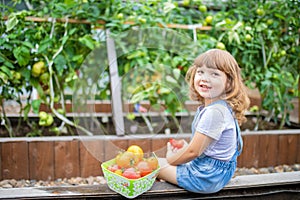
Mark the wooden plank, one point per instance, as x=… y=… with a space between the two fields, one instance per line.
x=262 y=186
x=14 y=160
x=240 y=159
x=259 y=180
x=113 y=147
x=292 y=149
x=298 y=147
x=251 y=151
x=41 y=160
x=159 y=146
x=283 y=149
x=66 y=159
x=91 y=156
x=268 y=150
x=115 y=86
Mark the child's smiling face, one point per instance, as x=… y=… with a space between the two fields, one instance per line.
x=210 y=83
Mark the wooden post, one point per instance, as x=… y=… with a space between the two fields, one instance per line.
x=115 y=86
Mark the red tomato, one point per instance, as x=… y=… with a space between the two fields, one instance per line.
x=113 y=167
x=131 y=173
x=176 y=143
x=144 y=168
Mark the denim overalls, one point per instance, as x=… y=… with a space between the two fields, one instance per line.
x=205 y=174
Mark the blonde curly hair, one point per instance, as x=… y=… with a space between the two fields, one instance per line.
x=236 y=95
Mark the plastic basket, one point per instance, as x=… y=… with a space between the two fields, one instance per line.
x=129 y=188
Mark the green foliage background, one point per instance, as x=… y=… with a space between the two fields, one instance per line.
x=262 y=35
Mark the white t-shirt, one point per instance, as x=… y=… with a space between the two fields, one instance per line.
x=217 y=122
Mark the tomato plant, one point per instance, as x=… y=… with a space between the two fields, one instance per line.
x=59 y=35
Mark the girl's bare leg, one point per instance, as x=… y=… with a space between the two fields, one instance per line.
x=167 y=172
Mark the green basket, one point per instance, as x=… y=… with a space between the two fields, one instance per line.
x=129 y=188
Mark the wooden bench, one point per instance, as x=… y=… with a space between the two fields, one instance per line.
x=265 y=186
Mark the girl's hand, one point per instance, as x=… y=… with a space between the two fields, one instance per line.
x=178 y=144
x=174 y=145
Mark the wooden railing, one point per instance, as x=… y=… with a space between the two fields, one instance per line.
x=49 y=158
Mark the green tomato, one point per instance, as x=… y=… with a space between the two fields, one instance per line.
x=120 y=16
x=17 y=75
x=209 y=19
x=293 y=50
x=186 y=3
x=142 y=20
x=61 y=111
x=248 y=37
x=42 y=122
x=44 y=78
x=254 y=108
x=202 y=8
x=260 y=11
x=130 y=116
x=43 y=115
x=220 y=45
x=38 y=68
x=270 y=22
x=49 y=120
x=282 y=52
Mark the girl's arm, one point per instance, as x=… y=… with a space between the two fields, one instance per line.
x=194 y=149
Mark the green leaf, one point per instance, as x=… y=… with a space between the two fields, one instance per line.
x=79 y=58
x=6 y=71
x=22 y=54
x=11 y=22
x=88 y=41
x=26 y=110
x=176 y=73
x=45 y=44
x=164 y=90
x=3 y=77
x=138 y=97
x=171 y=80
x=280 y=16
x=35 y=104
x=28 y=44
x=60 y=63
x=8 y=64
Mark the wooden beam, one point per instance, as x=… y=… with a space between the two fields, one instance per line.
x=115 y=86
x=266 y=186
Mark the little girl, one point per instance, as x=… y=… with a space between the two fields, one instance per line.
x=208 y=162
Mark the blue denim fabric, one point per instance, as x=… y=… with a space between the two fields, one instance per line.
x=208 y=175
x=205 y=174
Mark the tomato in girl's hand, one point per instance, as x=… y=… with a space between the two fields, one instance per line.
x=178 y=144
x=144 y=168
x=131 y=173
